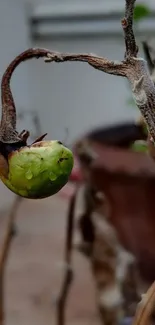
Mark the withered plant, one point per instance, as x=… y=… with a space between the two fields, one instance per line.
x=132 y=67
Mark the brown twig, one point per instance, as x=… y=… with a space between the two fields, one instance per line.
x=150 y=61
x=5 y=252
x=68 y=272
x=145 y=307
x=127 y=22
x=86 y=224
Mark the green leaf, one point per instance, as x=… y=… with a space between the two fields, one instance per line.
x=139 y=146
x=141 y=11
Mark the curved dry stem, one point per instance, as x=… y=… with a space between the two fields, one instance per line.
x=100 y=63
x=145 y=307
x=8 y=133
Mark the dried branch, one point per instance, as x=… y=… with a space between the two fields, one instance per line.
x=140 y=80
x=127 y=22
x=150 y=62
x=111 y=67
x=68 y=272
x=145 y=307
x=9 y=235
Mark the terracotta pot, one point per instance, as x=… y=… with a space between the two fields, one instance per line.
x=128 y=180
x=120 y=135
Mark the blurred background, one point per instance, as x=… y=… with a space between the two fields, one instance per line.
x=68 y=96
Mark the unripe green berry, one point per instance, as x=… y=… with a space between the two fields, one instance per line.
x=38 y=171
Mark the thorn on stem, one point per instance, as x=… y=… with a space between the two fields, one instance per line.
x=124 y=22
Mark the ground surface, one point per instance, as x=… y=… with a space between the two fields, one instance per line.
x=33 y=275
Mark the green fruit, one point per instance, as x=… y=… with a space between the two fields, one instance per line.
x=39 y=170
